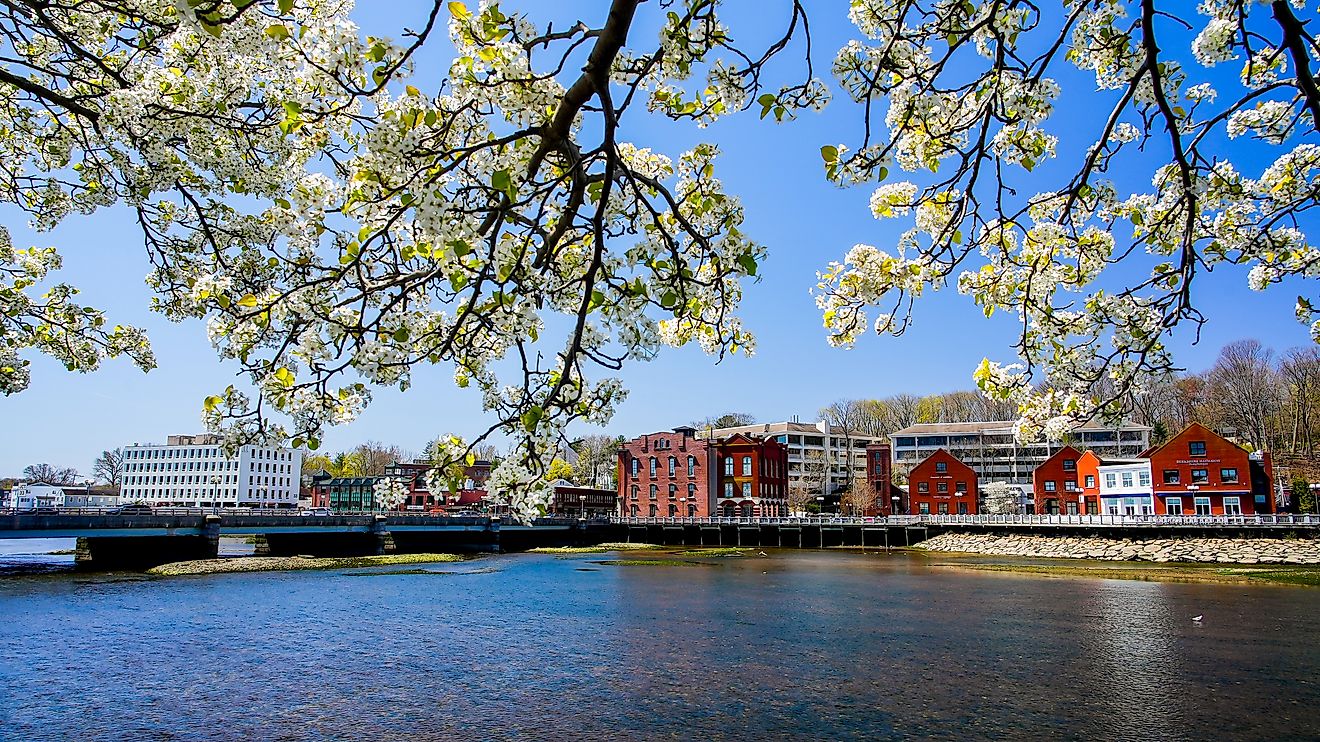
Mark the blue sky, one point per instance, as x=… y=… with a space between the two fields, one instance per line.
x=68 y=419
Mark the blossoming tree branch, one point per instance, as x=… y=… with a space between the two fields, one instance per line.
x=334 y=226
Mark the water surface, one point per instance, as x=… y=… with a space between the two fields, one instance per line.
x=799 y=644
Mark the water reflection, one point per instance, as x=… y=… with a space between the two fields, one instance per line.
x=798 y=644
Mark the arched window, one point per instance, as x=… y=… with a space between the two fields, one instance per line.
x=635 y=466
x=673 y=491
x=653 y=491
x=692 y=466
x=673 y=466
x=653 y=466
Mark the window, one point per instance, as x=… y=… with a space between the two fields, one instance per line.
x=944 y=508
x=1049 y=485
x=1143 y=478
x=673 y=491
x=961 y=487
x=652 y=466
x=1090 y=481
x=1232 y=506
x=1127 y=479
x=1111 y=481
x=1170 y=476
x=924 y=508
x=653 y=491
x=1200 y=476
x=1196 y=448
x=728 y=489
x=942 y=487
x=692 y=492
x=1202 y=505
x=1227 y=476
x=747 y=466
x=1070 y=464
x=728 y=466
x=747 y=489
x=692 y=466
x=962 y=508
x=673 y=466
x=941 y=467
x=1072 y=507
x=923 y=486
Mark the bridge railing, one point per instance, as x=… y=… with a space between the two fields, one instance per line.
x=1106 y=520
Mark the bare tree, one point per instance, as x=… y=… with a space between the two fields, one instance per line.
x=1244 y=390
x=374 y=456
x=727 y=420
x=597 y=461
x=109 y=467
x=858 y=498
x=1300 y=367
x=810 y=482
x=50 y=474
x=845 y=418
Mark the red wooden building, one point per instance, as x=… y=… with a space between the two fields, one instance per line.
x=1199 y=472
x=1056 y=485
x=943 y=485
x=1088 y=480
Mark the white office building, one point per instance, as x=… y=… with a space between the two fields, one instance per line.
x=192 y=471
x=815 y=451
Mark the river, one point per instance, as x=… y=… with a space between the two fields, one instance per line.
x=801 y=644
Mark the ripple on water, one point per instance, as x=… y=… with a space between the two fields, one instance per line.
x=801 y=644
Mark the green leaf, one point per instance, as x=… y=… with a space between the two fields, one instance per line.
x=286 y=6
x=668 y=300
x=401 y=335
x=531 y=417
x=277 y=31
x=500 y=180
x=248 y=300
x=829 y=153
x=748 y=263
x=212 y=402
x=459 y=10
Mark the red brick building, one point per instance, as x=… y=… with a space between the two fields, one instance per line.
x=752 y=477
x=1198 y=472
x=941 y=484
x=1055 y=483
x=667 y=475
x=421 y=498
x=677 y=475
x=879 y=474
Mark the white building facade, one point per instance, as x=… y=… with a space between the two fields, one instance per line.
x=33 y=496
x=1125 y=488
x=192 y=471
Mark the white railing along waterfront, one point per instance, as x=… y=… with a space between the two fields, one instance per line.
x=1211 y=521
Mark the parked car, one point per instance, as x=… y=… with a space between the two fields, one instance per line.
x=316 y=511
x=133 y=508
x=45 y=511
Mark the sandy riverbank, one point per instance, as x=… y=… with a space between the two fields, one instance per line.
x=277 y=564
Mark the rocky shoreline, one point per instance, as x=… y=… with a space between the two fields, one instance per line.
x=1204 y=550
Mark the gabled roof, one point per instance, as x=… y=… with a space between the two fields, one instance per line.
x=1194 y=427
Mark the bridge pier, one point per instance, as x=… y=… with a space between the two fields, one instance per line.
x=145 y=552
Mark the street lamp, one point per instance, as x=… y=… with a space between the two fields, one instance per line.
x=215 y=493
x=582 y=505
